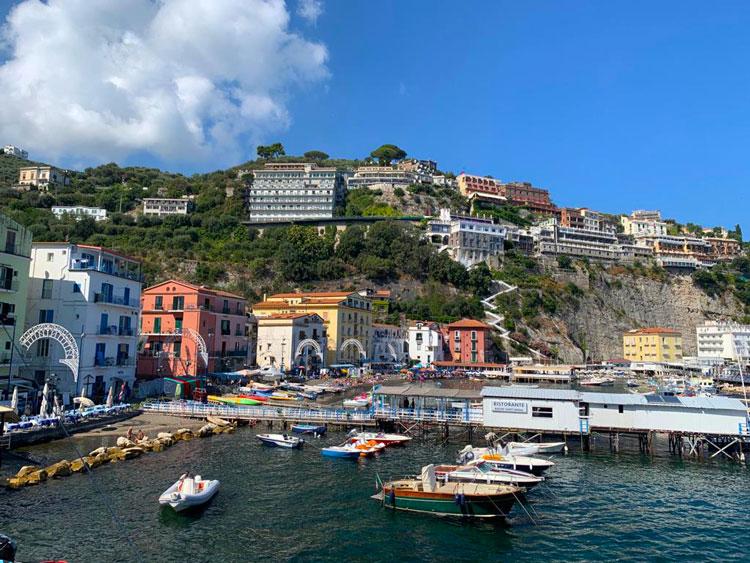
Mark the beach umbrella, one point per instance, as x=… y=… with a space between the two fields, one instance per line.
x=14 y=399
x=82 y=399
x=110 y=397
x=45 y=405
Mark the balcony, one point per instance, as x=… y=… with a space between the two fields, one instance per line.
x=116 y=300
x=234 y=353
x=79 y=265
x=109 y=361
x=17 y=250
x=108 y=330
x=9 y=285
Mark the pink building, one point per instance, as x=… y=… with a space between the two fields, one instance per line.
x=467 y=341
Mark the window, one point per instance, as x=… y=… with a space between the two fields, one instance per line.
x=541 y=412
x=10 y=241
x=178 y=303
x=50 y=256
x=225 y=329
x=46 y=316
x=176 y=349
x=158 y=303
x=47 y=289
x=473 y=356
x=76 y=288
x=42 y=348
x=157 y=325
x=620 y=409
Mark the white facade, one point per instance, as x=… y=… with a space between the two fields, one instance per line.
x=385 y=175
x=285 y=192
x=469 y=240
x=425 y=343
x=724 y=340
x=79 y=211
x=96 y=295
x=389 y=345
x=572 y=411
x=279 y=338
x=162 y=206
x=16 y=151
x=644 y=223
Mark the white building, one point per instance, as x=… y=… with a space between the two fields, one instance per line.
x=288 y=191
x=389 y=344
x=385 y=176
x=563 y=411
x=16 y=151
x=280 y=336
x=425 y=342
x=79 y=211
x=723 y=340
x=42 y=177
x=469 y=240
x=644 y=223
x=162 y=206
x=96 y=295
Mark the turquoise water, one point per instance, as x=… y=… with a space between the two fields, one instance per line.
x=297 y=506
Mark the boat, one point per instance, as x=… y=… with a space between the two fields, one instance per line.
x=233 y=400
x=361 y=401
x=632 y=383
x=533 y=465
x=593 y=382
x=346 y=452
x=467 y=500
x=309 y=429
x=483 y=472
x=380 y=437
x=259 y=398
x=524 y=449
x=281 y=440
x=309 y=395
x=188 y=491
x=542 y=447
x=367 y=447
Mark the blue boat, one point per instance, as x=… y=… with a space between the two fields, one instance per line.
x=341 y=452
x=308 y=429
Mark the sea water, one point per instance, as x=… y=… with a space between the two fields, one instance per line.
x=294 y=505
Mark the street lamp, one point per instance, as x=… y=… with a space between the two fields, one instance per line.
x=283 y=359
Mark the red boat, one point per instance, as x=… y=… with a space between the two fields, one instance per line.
x=261 y=398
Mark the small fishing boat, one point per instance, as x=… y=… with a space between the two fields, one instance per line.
x=633 y=383
x=308 y=395
x=541 y=447
x=309 y=429
x=593 y=382
x=483 y=472
x=380 y=437
x=259 y=398
x=359 y=402
x=188 y=492
x=466 y=500
x=233 y=400
x=281 y=440
x=346 y=452
x=533 y=465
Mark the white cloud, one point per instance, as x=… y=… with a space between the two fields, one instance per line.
x=310 y=10
x=184 y=80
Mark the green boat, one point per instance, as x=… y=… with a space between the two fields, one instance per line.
x=465 y=500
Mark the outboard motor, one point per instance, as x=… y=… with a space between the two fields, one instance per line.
x=7 y=549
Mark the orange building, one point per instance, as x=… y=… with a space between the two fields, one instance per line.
x=468 y=341
x=191 y=330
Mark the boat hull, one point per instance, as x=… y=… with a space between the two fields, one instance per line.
x=492 y=506
x=281 y=443
x=341 y=454
x=308 y=429
x=179 y=501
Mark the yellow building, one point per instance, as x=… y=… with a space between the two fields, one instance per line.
x=347 y=318
x=652 y=345
x=42 y=177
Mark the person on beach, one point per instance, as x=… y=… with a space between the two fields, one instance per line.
x=129 y=433
x=140 y=436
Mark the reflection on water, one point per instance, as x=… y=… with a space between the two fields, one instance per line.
x=279 y=504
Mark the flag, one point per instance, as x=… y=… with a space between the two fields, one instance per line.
x=378 y=482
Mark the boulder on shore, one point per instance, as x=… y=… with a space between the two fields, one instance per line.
x=59 y=469
x=207 y=430
x=33 y=478
x=130 y=453
x=98 y=451
x=123 y=442
x=79 y=465
x=26 y=470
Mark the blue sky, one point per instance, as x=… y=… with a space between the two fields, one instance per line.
x=614 y=106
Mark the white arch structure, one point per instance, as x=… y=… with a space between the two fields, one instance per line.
x=357 y=344
x=195 y=337
x=309 y=342
x=60 y=334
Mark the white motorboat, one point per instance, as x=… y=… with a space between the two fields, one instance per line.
x=469 y=452
x=542 y=447
x=483 y=472
x=281 y=440
x=380 y=437
x=188 y=492
x=533 y=465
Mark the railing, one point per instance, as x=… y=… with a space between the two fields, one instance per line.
x=17 y=249
x=126 y=331
x=114 y=361
x=110 y=330
x=200 y=410
x=234 y=353
x=464 y=416
x=85 y=265
x=116 y=300
x=9 y=285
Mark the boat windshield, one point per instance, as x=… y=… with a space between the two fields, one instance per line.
x=484 y=467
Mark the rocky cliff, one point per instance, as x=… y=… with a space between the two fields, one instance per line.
x=592 y=325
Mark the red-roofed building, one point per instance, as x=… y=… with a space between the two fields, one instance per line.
x=467 y=341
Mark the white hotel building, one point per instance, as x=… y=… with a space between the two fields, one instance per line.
x=79 y=211
x=721 y=340
x=288 y=191
x=95 y=294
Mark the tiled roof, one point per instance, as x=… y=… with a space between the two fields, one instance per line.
x=655 y=330
x=468 y=323
x=313 y=294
